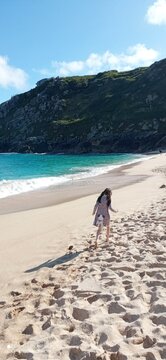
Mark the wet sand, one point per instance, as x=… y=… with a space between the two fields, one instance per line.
x=59 y=194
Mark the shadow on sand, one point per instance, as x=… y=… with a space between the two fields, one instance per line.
x=53 y=262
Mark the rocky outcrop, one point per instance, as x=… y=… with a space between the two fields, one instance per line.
x=109 y=112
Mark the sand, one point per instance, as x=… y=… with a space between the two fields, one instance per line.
x=83 y=303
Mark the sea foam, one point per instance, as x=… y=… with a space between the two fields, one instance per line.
x=18 y=186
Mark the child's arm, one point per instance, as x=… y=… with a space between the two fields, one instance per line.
x=110 y=207
x=95 y=208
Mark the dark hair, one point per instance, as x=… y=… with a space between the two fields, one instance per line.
x=106 y=192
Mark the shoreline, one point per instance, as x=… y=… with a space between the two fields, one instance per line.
x=65 y=192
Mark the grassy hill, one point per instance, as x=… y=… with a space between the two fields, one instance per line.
x=108 y=112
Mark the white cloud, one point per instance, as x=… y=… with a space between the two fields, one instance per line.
x=139 y=55
x=64 y=68
x=135 y=56
x=156 y=13
x=11 y=76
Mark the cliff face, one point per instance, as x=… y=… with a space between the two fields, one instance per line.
x=109 y=112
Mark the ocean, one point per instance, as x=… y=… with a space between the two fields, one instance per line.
x=27 y=172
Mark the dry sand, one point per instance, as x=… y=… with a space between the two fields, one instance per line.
x=87 y=304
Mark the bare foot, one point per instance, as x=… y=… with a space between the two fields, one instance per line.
x=95 y=247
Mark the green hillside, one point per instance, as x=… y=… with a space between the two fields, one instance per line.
x=108 y=112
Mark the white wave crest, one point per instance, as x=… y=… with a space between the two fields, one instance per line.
x=18 y=186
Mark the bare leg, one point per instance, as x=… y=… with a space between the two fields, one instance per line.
x=97 y=235
x=108 y=233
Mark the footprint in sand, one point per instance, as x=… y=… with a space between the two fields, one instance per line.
x=28 y=330
x=150 y=356
x=158 y=309
x=118 y=356
x=130 y=294
x=148 y=342
x=104 y=274
x=110 y=283
x=15 y=293
x=2 y=303
x=128 y=287
x=60 y=302
x=51 y=302
x=130 y=317
x=36 y=303
x=12 y=314
x=130 y=332
x=115 y=308
x=159 y=320
x=78 y=354
x=46 y=325
x=46 y=312
x=46 y=285
x=112 y=259
x=126 y=282
x=58 y=294
x=87 y=328
x=102 y=339
x=104 y=297
x=74 y=341
x=23 y=355
x=80 y=314
x=163 y=352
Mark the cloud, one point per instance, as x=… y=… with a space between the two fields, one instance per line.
x=11 y=76
x=135 y=56
x=139 y=55
x=156 y=13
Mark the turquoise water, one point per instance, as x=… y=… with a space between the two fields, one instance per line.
x=27 y=172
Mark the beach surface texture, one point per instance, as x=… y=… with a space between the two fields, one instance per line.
x=62 y=299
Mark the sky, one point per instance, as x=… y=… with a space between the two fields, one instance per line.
x=44 y=38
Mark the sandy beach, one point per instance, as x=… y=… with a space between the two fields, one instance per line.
x=86 y=304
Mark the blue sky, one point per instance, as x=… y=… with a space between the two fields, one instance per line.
x=44 y=38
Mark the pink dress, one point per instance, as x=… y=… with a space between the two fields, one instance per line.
x=101 y=208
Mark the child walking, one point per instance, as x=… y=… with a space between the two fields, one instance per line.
x=101 y=212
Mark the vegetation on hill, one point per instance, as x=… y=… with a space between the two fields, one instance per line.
x=108 y=112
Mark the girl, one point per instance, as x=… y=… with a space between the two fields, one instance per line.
x=101 y=212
